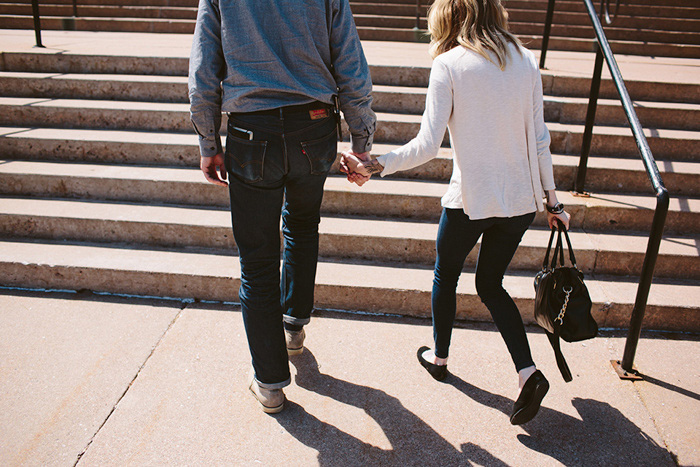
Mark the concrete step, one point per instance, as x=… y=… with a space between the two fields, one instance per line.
x=363 y=287
x=686 y=21
x=558 y=83
x=340 y=237
x=673 y=31
x=391 y=128
x=676 y=8
x=158 y=25
x=100 y=11
x=534 y=41
x=605 y=174
x=395 y=99
x=181 y=26
x=646 y=33
x=159 y=3
x=387 y=197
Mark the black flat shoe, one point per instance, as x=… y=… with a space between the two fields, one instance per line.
x=530 y=398
x=439 y=372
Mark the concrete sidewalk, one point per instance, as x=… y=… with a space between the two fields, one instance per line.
x=103 y=380
x=633 y=67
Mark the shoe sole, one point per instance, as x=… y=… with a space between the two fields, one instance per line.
x=528 y=412
x=266 y=409
x=295 y=351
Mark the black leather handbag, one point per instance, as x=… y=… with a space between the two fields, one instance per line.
x=562 y=302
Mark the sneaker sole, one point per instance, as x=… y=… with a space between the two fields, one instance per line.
x=528 y=412
x=295 y=351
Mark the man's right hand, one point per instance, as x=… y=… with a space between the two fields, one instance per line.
x=214 y=169
x=354 y=177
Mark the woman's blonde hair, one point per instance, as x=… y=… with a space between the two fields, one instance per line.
x=478 y=25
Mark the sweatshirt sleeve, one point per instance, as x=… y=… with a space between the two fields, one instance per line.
x=438 y=109
x=544 y=156
x=207 y=70
x=352 y=77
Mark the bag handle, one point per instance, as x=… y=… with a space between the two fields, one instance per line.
x=558 y=251
x=549 y=249
x=568 y=243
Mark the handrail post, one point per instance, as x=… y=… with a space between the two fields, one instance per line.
x=590 y=121
x=75 y=8
x=640 y=303
x=37 y=22
x=418 y=14
x=547 y=31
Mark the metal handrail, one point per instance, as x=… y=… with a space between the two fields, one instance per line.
x=37 y=19
x=625 y=368
x=605 y=9
x=418 y=15
x=37 y=22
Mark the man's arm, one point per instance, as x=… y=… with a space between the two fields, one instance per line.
x=352 y=77
x=207 y=70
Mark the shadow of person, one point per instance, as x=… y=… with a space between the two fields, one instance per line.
x=602 y=436
x=413 y=441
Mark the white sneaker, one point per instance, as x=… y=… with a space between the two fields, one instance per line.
x=295 y=341
x=271 y=400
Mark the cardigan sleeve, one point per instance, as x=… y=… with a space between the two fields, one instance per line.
x=438 y=109
x=544 y=156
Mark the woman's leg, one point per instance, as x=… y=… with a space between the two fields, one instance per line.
x=498 y=246
x=457 y=235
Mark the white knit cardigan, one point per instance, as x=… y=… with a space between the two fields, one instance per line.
x=502 y=164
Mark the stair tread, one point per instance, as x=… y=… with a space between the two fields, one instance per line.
x=629 y=242
x=390 y=186
x=392 y=278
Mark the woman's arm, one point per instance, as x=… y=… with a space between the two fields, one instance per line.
x=425 y=146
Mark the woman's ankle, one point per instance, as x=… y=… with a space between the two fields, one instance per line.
x=524 y=374
x=429 y=356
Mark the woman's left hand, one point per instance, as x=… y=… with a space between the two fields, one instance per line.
x=564 y=217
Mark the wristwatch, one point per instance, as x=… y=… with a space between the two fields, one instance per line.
x=556 y=209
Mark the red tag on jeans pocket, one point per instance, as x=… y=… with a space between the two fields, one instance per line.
x=318 y=114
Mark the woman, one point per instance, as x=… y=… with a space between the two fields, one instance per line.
x=486 y=88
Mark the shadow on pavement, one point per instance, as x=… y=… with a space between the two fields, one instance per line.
x=602 y=436
x=671 y=387
x=413 y=441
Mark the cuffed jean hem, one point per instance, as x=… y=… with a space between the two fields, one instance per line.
x=281 y=385
x=295 y=321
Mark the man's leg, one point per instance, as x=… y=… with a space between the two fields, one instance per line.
x=311 y=151
x=256 y=203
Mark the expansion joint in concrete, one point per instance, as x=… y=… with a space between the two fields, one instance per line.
x=138 y=372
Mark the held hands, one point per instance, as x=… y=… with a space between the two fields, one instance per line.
x=351 y=165
x=210 y=165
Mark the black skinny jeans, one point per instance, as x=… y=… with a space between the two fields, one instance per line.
x=457 y=235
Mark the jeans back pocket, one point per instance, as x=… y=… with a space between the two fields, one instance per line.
x=246 y=159
x=321 y=152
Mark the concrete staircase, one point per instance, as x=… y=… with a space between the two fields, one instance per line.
x=99 y=190
x=643 y=27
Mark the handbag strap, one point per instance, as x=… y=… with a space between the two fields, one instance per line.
x=561 y=362
x=558 y=251
x=549 y=249
x=572 y=258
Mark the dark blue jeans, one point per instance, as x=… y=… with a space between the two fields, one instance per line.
x=457 y=235
x=280 y=171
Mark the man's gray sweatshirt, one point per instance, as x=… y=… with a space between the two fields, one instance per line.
x=250 y=55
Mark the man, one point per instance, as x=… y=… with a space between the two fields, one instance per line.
x=275 y=66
